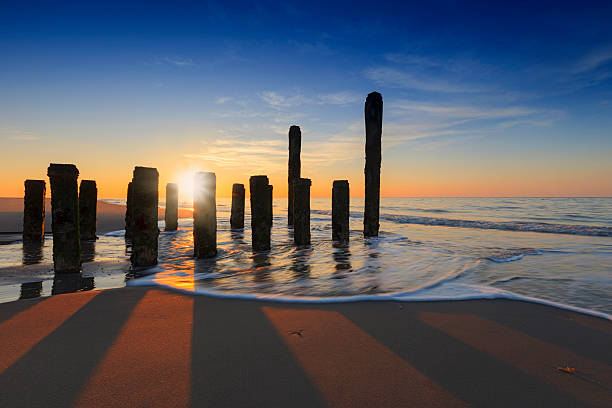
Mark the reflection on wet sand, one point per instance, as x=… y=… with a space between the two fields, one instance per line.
x=237 y=237
x=300 y=263
x=32 y=252
x=72 y=282
x=342 y=257
x=30 y=290
x=88 y=251
x=261 y=264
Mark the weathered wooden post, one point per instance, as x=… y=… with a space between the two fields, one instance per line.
x=145 y=200
x=34 y=210
x=171 y=214
x=301 y=214
x=260 y=212
x=237 y=217
x=88 y=201
x=65 y=218
x=129 y=211
x=205 y=215
x=340 y=210
x=270 y=205
x=373 y=125
x=295 y=146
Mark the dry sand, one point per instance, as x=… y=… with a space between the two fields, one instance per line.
x=111 y=217
x=150 y=347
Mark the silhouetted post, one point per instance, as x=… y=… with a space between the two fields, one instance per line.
x=145 y=200
x=65 y=218
x=88 y=201
x=34 y=210
x=129 y=211
x=260 y=212
x=295 y=146
x=171 y=214
x=373 y=125
x=301 y=207
x=237 y=217
x=270 y=205
x=205 y=215
x=340 y=210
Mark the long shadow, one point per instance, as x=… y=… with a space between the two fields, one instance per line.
x=469 y=373
x=8 y=310
x=239 y=360
x=559 y=327
x=54 y=371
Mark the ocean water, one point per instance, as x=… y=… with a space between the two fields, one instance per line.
x=553 y=250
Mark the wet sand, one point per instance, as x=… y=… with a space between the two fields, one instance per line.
x=140 y=346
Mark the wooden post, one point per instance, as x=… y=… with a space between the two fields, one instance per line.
x=171 y=213
x=88 y=201
x=65 y=218
x=373 y=113
x=145 y=200
x=270 y=205
x=295 y=146
x=301 y=206
x=340 y=210
x=129 y=211
x=260 y=212
x=205 y=215
x=34 y=210
x=237 y=217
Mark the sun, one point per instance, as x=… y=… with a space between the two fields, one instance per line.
x=185 y=182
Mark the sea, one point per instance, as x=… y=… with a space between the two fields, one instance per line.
x=556 y=251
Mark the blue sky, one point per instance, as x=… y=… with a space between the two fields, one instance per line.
x=479 y=99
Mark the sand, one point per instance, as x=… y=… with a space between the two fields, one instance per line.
x=140 y=346
x=111 y=217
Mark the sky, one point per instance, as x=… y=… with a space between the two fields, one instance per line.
x=479 y=99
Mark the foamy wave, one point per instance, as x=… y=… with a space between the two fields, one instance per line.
x=513 y=255
x=441 y=292
x=589 y=230
x=523 y=226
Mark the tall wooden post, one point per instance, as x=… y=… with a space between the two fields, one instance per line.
x=260 y=212
x=295 y=146
x=340 y=210
x=34 y=211
x=129 y=211
x=171 y=213
x=205 y=215
x=237 y=217
x=65 y=218
x=301 y=206
x=88 y=201
x=145 y=233
x=270 y=205
x=373 y=125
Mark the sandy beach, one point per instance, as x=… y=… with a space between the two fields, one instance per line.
x=152 y=347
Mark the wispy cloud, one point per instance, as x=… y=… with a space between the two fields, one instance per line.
x=277 y=100
x=394 y=78
x=179 y=61
x=223 y=99
x=412 y=59
x=593 y=60
x=463 y=111
x=340 y=98
x=17 y=135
